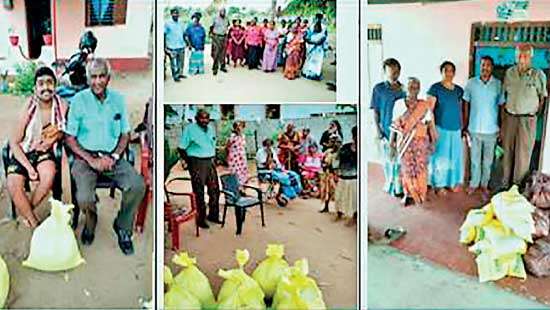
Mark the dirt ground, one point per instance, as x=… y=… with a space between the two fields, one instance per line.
x=109 y=279
x=433 y=234
x=331 y=248
x=244 y=85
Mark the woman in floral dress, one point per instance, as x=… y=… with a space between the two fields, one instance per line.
x=236 y=155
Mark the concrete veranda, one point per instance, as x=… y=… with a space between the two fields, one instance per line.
x=433 y=235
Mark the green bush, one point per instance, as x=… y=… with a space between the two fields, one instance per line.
x=24 y=80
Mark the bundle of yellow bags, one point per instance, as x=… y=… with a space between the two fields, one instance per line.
x=288 y=287
x=4 y=282
x=53 y=243
x=191 y=280
x=239 y=290
x=298 y=291
x=499 y=232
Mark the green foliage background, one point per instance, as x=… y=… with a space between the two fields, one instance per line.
x=24 y=80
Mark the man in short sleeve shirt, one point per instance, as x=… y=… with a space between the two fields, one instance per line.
x=98 y=132
x=483 y=97
x=174 y=43
x=525 y=89
x=198 y=148
x=384 y=96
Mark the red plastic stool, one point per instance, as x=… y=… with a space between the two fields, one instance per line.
x=175 y=218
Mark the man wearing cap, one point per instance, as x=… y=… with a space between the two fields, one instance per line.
x=198 y=149
x=32 y=142
x=195 y=37
x=98 y=132
x=525 y=89
x=218 y=33
x=174 y=44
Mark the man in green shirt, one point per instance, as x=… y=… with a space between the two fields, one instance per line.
x=98 y=132
x=526 y=91
x=198 y=148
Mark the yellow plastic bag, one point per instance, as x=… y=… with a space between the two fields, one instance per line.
x=53 y=243
x=489 y=269
x=469 y=231
x=298 y=291
x=513 y=264
x=269 y=271
x=4 y=282
x=499 y=241
x=239 y=290
x=191 y=279
x=514 y=211
x=177 y=297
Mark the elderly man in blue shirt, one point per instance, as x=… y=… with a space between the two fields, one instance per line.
x=97 y=133
x=384 y=96
x=198 y=148
x=483 y=97
x=174 y=44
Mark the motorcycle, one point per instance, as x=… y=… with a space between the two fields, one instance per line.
x=75 y=68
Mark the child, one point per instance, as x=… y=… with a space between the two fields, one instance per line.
x=311 y=166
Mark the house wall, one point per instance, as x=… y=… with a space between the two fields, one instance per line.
x=421 y=36
x=15 y=19
x=127 y=46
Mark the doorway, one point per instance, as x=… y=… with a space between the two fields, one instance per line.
x=38 y=14
x=499 y=40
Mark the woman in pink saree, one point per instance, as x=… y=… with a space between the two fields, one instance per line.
x=271 y=38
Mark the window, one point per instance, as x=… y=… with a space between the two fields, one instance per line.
x=374 y=33
x=273 y=111
x=106 y=12
x=228 y=111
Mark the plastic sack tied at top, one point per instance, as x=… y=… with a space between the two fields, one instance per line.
x=191 y=279
x=239 y=290
x=269 y=272
x=177 y=297
x=4 y=282
x=53 y=243
x=515 y=212
x=298 y=291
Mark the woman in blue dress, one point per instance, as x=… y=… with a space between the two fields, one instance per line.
x=447 y=161
x=316 y=46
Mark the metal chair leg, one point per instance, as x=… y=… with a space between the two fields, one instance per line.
x=262 y=212
x=238 y=219
x=224 y=213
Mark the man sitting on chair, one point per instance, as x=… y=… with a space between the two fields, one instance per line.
x=32 y=143
x=98 y=133
x=267 y=162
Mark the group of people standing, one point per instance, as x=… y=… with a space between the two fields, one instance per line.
x=332 y=174
x=295 y=45
x=424 y=139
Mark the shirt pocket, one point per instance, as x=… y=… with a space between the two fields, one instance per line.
x=115 y=125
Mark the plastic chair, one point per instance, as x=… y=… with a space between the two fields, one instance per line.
x=146 y=173
x=57 y=190
x=176 y=217
x=231 y=190
x=265 y=176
